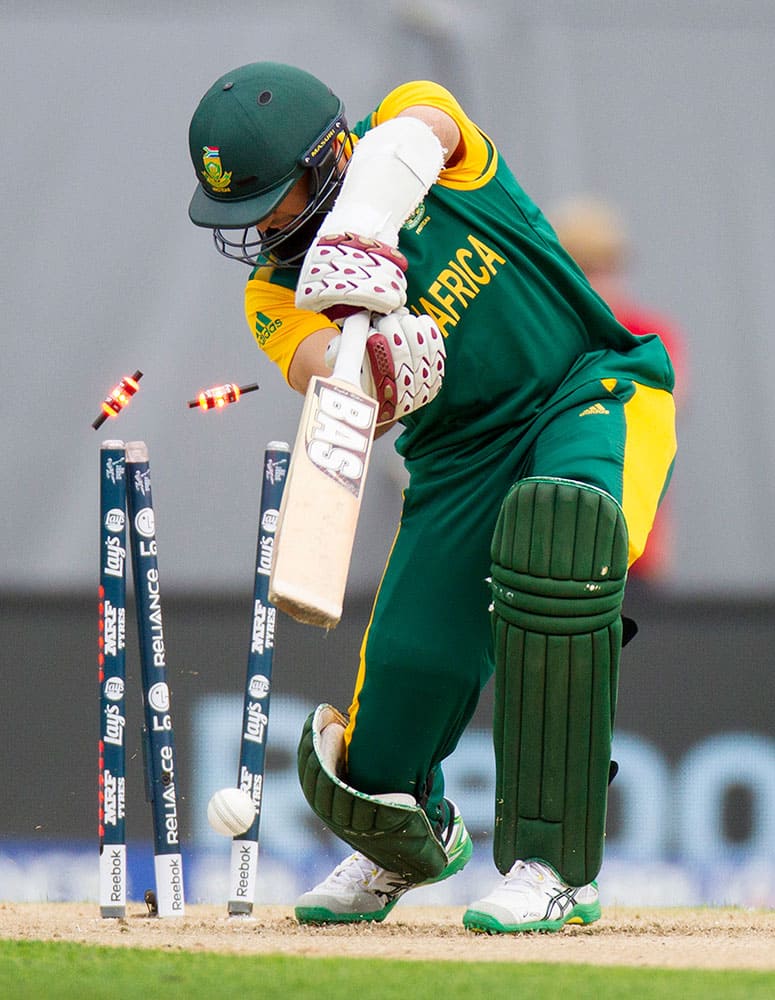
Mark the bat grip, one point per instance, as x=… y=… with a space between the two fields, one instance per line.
x=355 y=333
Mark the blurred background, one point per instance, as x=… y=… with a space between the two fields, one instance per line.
x=659 y=110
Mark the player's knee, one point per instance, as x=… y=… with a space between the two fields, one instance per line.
x=559 y=557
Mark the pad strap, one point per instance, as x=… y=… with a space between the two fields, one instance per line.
x=397 y=836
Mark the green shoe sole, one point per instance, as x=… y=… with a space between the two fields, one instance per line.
x=321 y=915
x=582 y=913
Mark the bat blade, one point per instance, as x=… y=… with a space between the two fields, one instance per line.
x=324 y=490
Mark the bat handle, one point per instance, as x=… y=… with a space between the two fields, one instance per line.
x=355 y=333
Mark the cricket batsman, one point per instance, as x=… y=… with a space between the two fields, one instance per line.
x=538 y=436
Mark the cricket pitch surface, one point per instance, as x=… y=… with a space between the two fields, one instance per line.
x=705 y=938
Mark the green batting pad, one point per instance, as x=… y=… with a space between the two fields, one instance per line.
x=559 y=565
x=396 y=836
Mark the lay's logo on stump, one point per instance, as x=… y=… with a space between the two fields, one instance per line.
x=213 y=172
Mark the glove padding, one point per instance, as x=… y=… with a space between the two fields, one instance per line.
x=344 y=273
x=404 y=363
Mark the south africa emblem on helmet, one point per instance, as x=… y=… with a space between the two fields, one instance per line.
x=213 y=171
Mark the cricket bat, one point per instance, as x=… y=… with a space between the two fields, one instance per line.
x=324 y=489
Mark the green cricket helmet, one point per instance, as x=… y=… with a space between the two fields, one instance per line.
x=256 y=132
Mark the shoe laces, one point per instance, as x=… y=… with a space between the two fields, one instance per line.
x=354 y=869
x=526 y=871
x=357 y=869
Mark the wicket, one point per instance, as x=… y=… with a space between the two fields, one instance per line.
x=126 y=499
x=112 y=680
x=255 y=716
x=125 y=493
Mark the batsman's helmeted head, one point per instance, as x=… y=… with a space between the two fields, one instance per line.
x=253 y=136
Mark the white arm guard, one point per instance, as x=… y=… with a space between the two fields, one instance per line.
x=389 y=174
x=404 y=364
x=350 y=262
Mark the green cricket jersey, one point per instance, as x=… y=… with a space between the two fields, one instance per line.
x=523 y=327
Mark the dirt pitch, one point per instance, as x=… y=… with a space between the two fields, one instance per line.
x=704 y=939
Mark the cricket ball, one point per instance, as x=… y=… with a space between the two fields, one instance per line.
x=231 y=812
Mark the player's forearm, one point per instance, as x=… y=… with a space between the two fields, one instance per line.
x=308 y=360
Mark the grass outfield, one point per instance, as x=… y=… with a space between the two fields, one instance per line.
x=55 y=971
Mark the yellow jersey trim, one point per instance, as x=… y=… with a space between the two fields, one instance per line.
x=477 y=160
x=278 y=327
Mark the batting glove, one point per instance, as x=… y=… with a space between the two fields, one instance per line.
x=344 y=273
x=404 y=363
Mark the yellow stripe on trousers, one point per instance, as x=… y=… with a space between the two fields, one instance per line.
x=649 y=451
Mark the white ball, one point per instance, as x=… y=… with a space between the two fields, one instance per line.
x=231 y=812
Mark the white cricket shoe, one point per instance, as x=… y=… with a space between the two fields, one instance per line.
x=532 y=897
x=359 y=890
